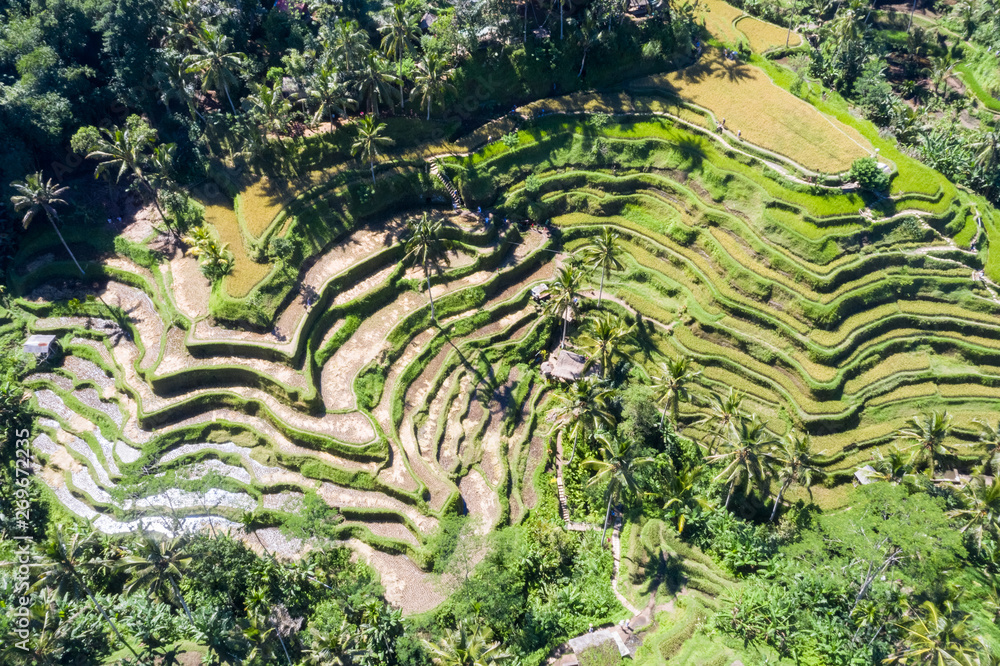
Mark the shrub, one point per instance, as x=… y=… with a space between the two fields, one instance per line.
x=868 y=174
x=510 y=140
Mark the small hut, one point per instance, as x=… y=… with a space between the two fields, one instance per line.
x=638 y=8
x=41 y=345
x=866 y=475
x=426 y=21
x=566 y=366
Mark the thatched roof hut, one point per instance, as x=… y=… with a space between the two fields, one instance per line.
x=565 y=366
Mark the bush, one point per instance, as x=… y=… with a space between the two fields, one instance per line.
x=868 y=174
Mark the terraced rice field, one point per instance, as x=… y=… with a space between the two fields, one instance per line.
x=839 y=323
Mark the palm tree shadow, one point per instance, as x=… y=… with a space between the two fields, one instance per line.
x=736 y=70
x=693 y=149
x=660 y=570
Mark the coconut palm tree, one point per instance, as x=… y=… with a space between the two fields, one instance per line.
x=618 y=467
x=463 y=647
x=926 y=434
x=981 y=509
x=602 y=253
x=606 y=336
x=374 y=80
x=432 y=80
x=724 y=412
x=745 y=456
x=670 y=384
x=38 y=196
x=65 y=566
x=564 y=299
x=156 y=564
x=328 y=648
x=936 y=637
x=215 y=63
x=399 y=33
x=425 y=247
x=796 y=464
x=989 y=439
x=581 y=408
x=348 y=43
x=369 y=140
x=268 y=106
x=329 y=93
x=591 y=35
x=126 y=150
x=894 y=467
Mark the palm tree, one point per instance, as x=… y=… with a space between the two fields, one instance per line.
x=123 y=149
x=41 y=197
x=399 y=32
x=618 y=467
x=268 y=106
x=327 y=648
x=602 y=253
x=724 y=412
x=894 y=467
x=591 y=35
x=348 y=43
x=670 y=383
x=215 y=63
x=981 y=509
x=606 y=335
x=988 y=153
x=937 y=637
x=156 y=566
x=745 y=456
x=424 y=246
x=66 y=566
x=369 y=139
x=433 y=80
x=462 y=647
x=564 y=300
x=375 y=80
x=330 y=94
x=581 y=408
x=797 y=465
x=989 y=438
x=927 y=433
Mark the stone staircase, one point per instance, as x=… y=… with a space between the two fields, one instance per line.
x=456 y=199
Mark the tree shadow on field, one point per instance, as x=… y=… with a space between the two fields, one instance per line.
x=692 y=149
x=736 y=70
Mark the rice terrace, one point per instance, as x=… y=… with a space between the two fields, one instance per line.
x=482 y=333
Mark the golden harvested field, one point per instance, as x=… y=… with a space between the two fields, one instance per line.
x=246 y=272
x=718 y=17
x=767 y=115
x=765 y=36
x=260 y=202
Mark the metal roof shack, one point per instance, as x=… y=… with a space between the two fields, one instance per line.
x=40 y=345
x=866 y=475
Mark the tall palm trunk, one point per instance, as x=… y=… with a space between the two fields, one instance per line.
x=231 y=105
x=607 y=515
x=604 y=271
x=100 y=609
x=732 y=486
x=180 y=596
x=430 y=295
x=576 y=443
x=371 y=161
x=428 y=107
x=777 y=500
x=71 y=255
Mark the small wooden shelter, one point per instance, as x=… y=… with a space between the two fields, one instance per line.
x=40 y=345
x=565 y=366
